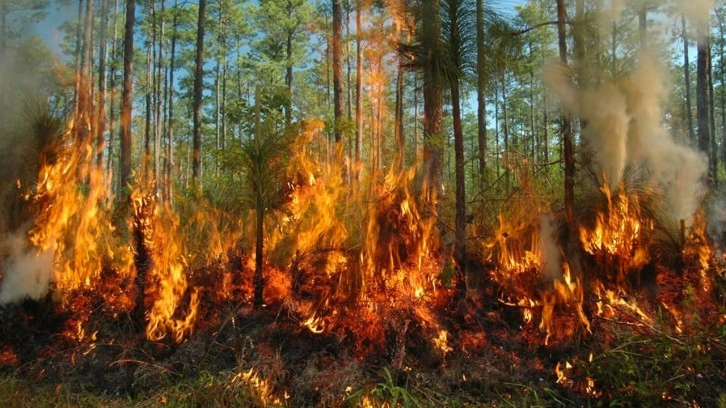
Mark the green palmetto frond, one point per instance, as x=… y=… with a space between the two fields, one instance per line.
x=454 y=53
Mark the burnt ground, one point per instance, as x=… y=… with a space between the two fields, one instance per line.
x=490 y=356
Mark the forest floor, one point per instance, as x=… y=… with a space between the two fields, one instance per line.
x=430 y=351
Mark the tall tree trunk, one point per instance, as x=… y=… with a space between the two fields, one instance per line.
x=348 y=83
x=460 y=217
x=85 y=83
x=148 y=103
x=338 y=74
x=160 y=99
x=258 y=279
x=198 y=88
x=126 y=100
x=169 y=163
x=722 y=77
x=687 y=79
x=704 y=136
x=399 y=161
x=481 y=109
x=100 y=116
x=79 y=53
x=358 y=87
x=712 y=118
x=505 y=131
x=288 y=73
x=111 y=108
x=566 y=127
x=433 y=102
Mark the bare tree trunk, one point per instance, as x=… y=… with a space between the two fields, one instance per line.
x=358 y=88
x=102 y=83
x=147 y=122
x=126 y=100
x=85 y=83
x=460 y=216
x=169 y=164
x=112 y=110
x=712 y=118
x=338 y=75
x=433 y=153
x=288 y=74
x=566 y=127
x=481 y=113
x=198 y=88
x=399 y=161
x=687 y=79
x=704 y=136
x=159 y=121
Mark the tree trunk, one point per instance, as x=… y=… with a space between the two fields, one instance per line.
x=148 y=103
x=258 y=280
x=712 y=118
x=159 y=121
x=481 y=112
x=338 y=74
x=399 y=161
x=126 y=100
x=687 y=79
x=198 y=88
x=722 y=75
x=433 y=103
x=460 y=222
x=566 y=127
x=505 y=131
x=288 y=73
x=100 y=116
x=111 y=108
x=169 y=163
x=702 y=114
x=358 y=88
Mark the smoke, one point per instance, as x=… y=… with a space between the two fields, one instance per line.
x=622 y=124
x=697 y=12
x=27 y=124
x=27 y=273
x=550 y=255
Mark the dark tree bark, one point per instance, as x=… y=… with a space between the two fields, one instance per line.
x=566 y=127
x=433 y=150
x=169 y=163
x=126 y=96
x=702 y=114
x=712 y=118
x=100 y=117
x=358 y=88
x=338 y=74
x=198 y=88
x=148 y=108
x=687 y=80
x=481 y=113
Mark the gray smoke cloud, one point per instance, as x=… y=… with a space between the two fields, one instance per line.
x=550 y=255
x=624 y=127
x=27 y=272
x=28 y=73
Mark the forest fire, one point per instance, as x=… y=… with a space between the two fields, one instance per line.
x=305 y=258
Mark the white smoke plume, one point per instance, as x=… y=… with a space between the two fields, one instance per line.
x=550 y=255
x=26 y=272
x=697 y=12
x=623 y=126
